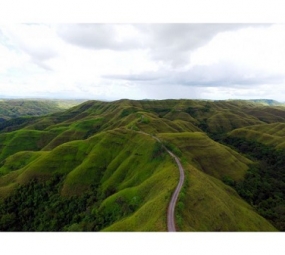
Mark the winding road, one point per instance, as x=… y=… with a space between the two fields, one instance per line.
x=170 y=213
x=171 y=207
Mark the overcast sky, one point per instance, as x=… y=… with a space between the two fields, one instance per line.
x=138 y=61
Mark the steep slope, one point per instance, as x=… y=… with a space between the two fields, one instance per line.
x=264 y=182
x=23 y=140
x=208 y=156
x=133 y=172
x=210 y=205
x=91 y=162
x=268 y=134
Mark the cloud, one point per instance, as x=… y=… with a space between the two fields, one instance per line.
x=9 y=59
x=222 y=74
x=100 y=36
x=37 y=41
x=172 y=43
x=169 y=43
x=143 y=77
x=142 y=60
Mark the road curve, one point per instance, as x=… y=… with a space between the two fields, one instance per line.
x=171 y=207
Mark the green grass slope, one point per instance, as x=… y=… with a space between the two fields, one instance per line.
x=92 y=158
x=207 y=155
x=18 y=161
x=23 y=140
x=132 y=168
x=268 y=134
x=154 y=116
x=210 y=205
x=226 y=121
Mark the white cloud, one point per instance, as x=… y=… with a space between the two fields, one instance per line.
x=170 y=43
x=258 y=48
x=100 y=36
x=37 y=41
x=173 y=43
x=142 y=60
x=9 y=59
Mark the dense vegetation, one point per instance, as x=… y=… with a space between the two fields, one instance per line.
x=14 y=108
x=264 y=183
x=38 y=206
x=89 y=168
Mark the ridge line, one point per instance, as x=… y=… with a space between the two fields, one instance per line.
x=172 y=204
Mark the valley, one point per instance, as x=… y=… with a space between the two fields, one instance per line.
x=96 y=166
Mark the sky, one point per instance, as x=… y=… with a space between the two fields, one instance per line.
x=109 y=61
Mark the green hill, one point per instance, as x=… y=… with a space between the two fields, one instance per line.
x=268 y=134
x=14 y=108
x=89 y=169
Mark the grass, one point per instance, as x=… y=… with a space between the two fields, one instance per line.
x=96 y=143
x=214 y=206
x=225 y=121
x=23 y=140
x=208 y=156
x=130 y=169
x=155 y=191
x=270 y=134
x=18 y=161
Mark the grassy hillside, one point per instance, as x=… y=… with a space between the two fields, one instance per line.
x=138 y=176
x=207 y=155
x=13 y=108
x=89 y=169
x=264 y=182
x=17 y=113
x=210 y=205
x=268 y=134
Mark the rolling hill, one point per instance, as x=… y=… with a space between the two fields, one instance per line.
x=90 y=168
x=13 y=108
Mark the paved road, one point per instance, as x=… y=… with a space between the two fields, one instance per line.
x=171 y=207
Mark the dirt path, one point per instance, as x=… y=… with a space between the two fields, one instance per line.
x=171 y=207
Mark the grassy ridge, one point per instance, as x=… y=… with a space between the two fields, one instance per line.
x=128 y=176
x=208 y=156
x=269 y=134
x=23 y=140
x=121 y=173
x=263 y=185
x=18 y=161
x=211 y=205
x=164 y=115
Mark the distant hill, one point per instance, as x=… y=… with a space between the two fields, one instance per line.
x=13 y=108
x=266 y=101
x=93 y=168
